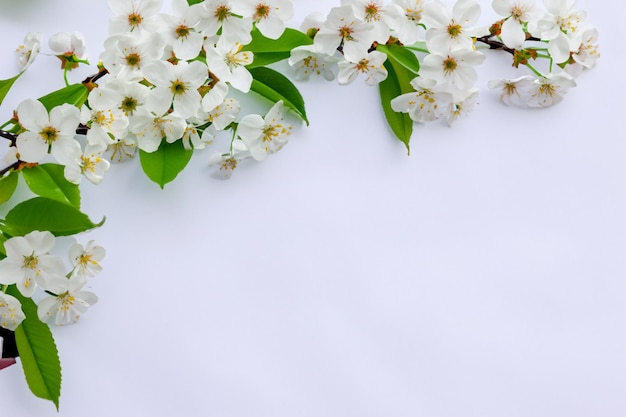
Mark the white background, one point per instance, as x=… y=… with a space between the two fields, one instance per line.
x=483 y=275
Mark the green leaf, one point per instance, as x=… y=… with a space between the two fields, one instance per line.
x=38 y=352
x=275 y=87
x=5 y=86
x=48 y=180
x=43 y=213
x=192 y=2
x=267 y=51
x=397 y=83
x=164 y=164
x=402 y=56
x=8 y=184
x=75 y=94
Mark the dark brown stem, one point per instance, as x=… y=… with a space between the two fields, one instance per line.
x=493 y=44
x=8 y=135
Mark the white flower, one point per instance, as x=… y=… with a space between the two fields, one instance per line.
x=224 y=114
x=514 y=91
x=450 y=31
x=371 y=66
x=342 y=28
x=180 y=29
x=129 y=96
x=89 y=163
x=193 y=138
x=269 y=15
x=178 y=84
x=104 y=118
x=306 y=61
x=68 y=305
x=218 y=15
x=133 y=15
x=150 y=128
x=549 y=90
x=266 y=135
x=561 y=18
x=215 y=96
x=381 y=17
x=11 y=314
x=229 y=161
x=125 y=55
x=64 y=43
x=228 y=62
x=423 y=105
x=54 y=132
x=408 y=30
x=462 y=107
x=587 y=51
x=516 y=13
x=27 y=52
x=454 y=70
x=29 y=264
x=86 y=259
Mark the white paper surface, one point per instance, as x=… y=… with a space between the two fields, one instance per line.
x=483 y=275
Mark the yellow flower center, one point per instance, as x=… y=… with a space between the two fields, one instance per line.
x=133 y=59
x=134 y=19
x=182 y=31
x=372 y=12
x=262 y=11
x=346 y=33
x=49 y=134
x=454 y=30
x=30 y=262
x=222 y=13
x=449 y=65
x=178 y=87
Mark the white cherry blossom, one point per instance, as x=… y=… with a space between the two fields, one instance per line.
x=217 y=15
x=307 y=61
x=425 y=104
x=29 y=49
x=268 y=15
x=370 y=66
x=447 y=31
x=11 y=314
x=68 y=305
x=265 y=135
x=179 y=29
x=228 y=62
x=516 y=14
x=29 y=263
x=45 y=132
x=549 y=90
x=134 y=15
x=343 y=29
x=177 y=84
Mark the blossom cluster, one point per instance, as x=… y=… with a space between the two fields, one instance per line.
x=448 y=44
x=30 y=265
x=169 y=76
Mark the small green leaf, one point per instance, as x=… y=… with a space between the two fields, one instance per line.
x=38 y=352
x=5 y=86
x=8 y=184
x=275 y=87
x=290 y=39
x=268 y=51
x=402 y=56
x=75 y=94
x=396 y=83
x=164 y=164
x=262 y=59
x=48 y=180
x=192 y=2
x=42 y=213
